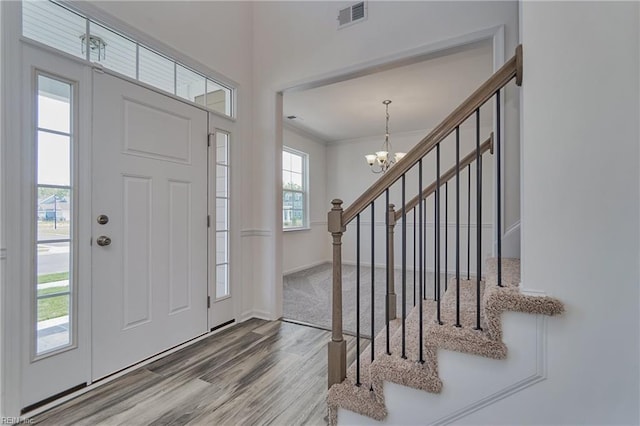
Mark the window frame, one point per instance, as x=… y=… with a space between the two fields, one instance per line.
x=72 y=292
x=227 y=229
x=304 y=191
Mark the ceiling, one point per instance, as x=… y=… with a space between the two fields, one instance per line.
x=422 y=95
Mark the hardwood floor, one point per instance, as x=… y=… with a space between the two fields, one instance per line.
x=256 y=373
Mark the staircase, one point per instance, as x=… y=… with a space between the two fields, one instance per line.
x=462 y=312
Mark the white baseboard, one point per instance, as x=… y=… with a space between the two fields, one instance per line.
x=256 y=313
x=308 y=266
x=463 y=271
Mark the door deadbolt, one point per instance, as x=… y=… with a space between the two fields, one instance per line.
x=103 y=241
x=103 y=219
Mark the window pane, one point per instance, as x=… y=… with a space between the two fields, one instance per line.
x=297 y=201
x=53 y=214
x=218 y=98
x=190 y=85
x=53 y=262
x=221 y=214
x=54 y=104
x=296 y=163
x=112 y=50
x=222 y=148
x=53 y=311
x=156 y=70
x=53 y=323
x=287 y=208
x=286 y=160
x=286 y=179
x=54 y=159
x=221 y=181
x=296 y=181
x=222 y=281
x=287 y=199
x=54 y=26
x=221 y=247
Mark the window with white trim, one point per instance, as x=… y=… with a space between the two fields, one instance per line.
x=54 y=214
x=56 y=26
x=222 y=214
x=295 y=193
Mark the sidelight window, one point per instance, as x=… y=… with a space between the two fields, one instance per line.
x=54 y=209
x=222 y=215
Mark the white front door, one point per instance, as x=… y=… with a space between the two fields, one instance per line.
x=149 y=260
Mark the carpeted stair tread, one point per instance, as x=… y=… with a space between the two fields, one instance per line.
x=407 y=372
x=486 y=342
x=465 y=338
x=497 y=299
x=362 y=399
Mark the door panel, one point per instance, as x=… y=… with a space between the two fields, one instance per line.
x=150 y=179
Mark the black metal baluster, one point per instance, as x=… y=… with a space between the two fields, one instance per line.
x=420 y=245
x=435 y=247
x=386 y=306
x=499 y=190
x=373 y=268
x=478 y=219
x=458 y=227
x=437 y=225
x=469 y=225
x=358 y=300
x=414 y=255
x=404 y=268
x=446 y=235
x=424 y=230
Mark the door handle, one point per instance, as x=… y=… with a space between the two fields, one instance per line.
x=103 y=241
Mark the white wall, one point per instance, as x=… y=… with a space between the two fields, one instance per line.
x=304 y=248
x=298 y=41
x=580 y=210
x=350 y=176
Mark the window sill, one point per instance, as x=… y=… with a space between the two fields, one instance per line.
x=304 y=228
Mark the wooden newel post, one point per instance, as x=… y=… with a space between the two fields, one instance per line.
x=337 y=346
x=391 y=297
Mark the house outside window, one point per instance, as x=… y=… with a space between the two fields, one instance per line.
x=295 y=189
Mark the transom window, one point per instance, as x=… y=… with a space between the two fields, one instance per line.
x=294 y=189
x=56 y=26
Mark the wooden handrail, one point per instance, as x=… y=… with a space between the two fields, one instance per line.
x=512 y=68
x=448 y=175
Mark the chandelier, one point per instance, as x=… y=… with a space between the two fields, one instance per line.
x=383 y=159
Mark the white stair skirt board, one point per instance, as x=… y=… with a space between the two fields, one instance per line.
x=511 y=242
x=469 y=382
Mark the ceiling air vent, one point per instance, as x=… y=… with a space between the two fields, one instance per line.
x=350 y=15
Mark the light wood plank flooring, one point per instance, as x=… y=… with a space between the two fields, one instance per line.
x=256 y=373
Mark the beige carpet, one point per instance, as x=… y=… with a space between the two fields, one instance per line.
x=368 y=399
